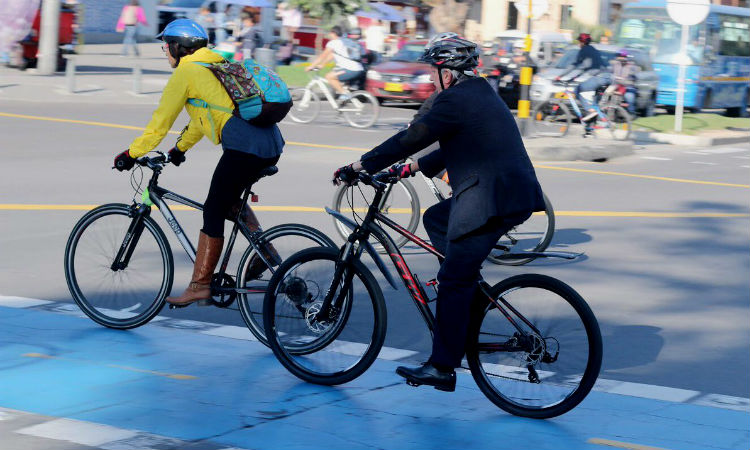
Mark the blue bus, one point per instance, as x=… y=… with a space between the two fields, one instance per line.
x=718 y=54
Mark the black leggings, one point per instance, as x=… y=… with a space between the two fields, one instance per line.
x=234 y=172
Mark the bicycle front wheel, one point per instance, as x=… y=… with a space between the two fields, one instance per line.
x=286 y=240
x=400 y=204
x=551 y=119
x=619 y=122
x=534 y=235
x=305 y=105
x=548 y=367
x=123 y=292
x=331 y=350
x=361 y=110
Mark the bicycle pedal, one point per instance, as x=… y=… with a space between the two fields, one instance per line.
x=205 y=302
x=173 y=306
x=413 y=383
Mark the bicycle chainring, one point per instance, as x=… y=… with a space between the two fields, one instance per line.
x=223 y=299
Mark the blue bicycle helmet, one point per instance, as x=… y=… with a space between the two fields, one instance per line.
x=185 y=33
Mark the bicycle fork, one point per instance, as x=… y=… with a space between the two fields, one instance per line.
x=138 y=212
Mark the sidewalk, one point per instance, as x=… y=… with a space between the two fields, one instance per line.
x=194 y=385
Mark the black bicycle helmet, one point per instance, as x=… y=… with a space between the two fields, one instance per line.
x=452 y=53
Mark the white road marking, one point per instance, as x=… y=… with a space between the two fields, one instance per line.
x=77 y=431
x=741 y=157
x=656 y=158
x=21 y=302
x=703 y=162
x=722 y=150
x=639 y=390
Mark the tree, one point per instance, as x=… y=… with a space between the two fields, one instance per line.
x=329 y=12
x=448 y=15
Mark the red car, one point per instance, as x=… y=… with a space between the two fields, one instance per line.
x=402 y=77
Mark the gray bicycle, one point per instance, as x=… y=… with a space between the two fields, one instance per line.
x=119 y=265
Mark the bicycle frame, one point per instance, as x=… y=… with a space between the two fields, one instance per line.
x=324 y=87
x=359 y=239
x=157 y=195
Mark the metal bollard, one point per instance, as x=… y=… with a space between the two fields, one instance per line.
x=266 y=57
x=137 y=78
x=70 y=73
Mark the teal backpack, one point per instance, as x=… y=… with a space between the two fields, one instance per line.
x=259 y=95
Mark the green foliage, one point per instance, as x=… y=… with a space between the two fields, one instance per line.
x=596 y=31
x=329 y=12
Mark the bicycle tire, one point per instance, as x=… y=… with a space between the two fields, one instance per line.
x=620 y=122
x=541 y=246
x=84 y=300
x=354 y=116
x=555 y=382
x=551 y=119
x=252 y=310
x=341 y=205
x=300 y=105
x=354 y=365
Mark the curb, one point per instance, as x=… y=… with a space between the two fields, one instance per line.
x=576 y=149
x=735 y=137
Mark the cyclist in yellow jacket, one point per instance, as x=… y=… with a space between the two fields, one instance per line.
x=247 y=148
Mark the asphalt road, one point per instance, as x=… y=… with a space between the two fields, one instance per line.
x=665 y=232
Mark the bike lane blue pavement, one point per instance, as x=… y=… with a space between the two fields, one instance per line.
x=180 y=383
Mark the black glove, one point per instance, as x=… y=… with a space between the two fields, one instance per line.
x=347 y=174
x=401 y=170
x=176 y=156
x=123 y=161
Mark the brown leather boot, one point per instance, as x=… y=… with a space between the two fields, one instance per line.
x=256 y=266
x=206 y=258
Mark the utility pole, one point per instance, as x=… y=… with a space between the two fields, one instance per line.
x=49 y=34
x=524 y=104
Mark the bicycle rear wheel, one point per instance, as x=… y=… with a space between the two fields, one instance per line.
x=118 y=297
x=551 y=119
x=619 y=122
x=286 y=239
x=331 y=351
x=361 y=110
x=401 y=204
x=534 y=235
x=552 y=366
x=305 y=105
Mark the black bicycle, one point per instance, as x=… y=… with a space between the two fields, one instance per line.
x=119 y=265
x=534 y=345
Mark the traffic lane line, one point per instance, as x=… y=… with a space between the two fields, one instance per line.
x=269 y=208
x=618 y=444
x=174 y=376
x=362 y=149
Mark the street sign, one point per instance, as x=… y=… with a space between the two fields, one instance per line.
x=688 y=12
x=685 y=13
x=538 y=7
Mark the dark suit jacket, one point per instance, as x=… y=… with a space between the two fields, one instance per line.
x=480 y=146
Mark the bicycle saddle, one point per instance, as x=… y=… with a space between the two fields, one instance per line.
x=268 y=171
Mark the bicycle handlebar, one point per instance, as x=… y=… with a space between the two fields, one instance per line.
x=380 y=180
x=155 y=162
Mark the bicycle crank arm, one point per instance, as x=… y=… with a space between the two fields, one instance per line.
x=519 y=255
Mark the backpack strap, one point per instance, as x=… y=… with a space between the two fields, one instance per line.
x=200 y=103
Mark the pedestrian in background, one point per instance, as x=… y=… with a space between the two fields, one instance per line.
x=250 y=37
x=375 y=37
x=130 y=17
x=291 y=20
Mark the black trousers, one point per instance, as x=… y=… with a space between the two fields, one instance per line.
x=458 y=277
x=234 y=172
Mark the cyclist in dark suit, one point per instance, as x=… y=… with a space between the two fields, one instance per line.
x=494 y=189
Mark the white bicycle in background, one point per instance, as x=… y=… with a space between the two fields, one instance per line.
x=361 y=109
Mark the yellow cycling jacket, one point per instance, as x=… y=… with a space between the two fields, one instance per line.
x=189 y=80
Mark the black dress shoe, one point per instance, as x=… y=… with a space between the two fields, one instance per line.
x=429 y=375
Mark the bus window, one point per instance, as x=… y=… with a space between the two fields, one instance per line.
x=734 y=35
x=657 y=34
